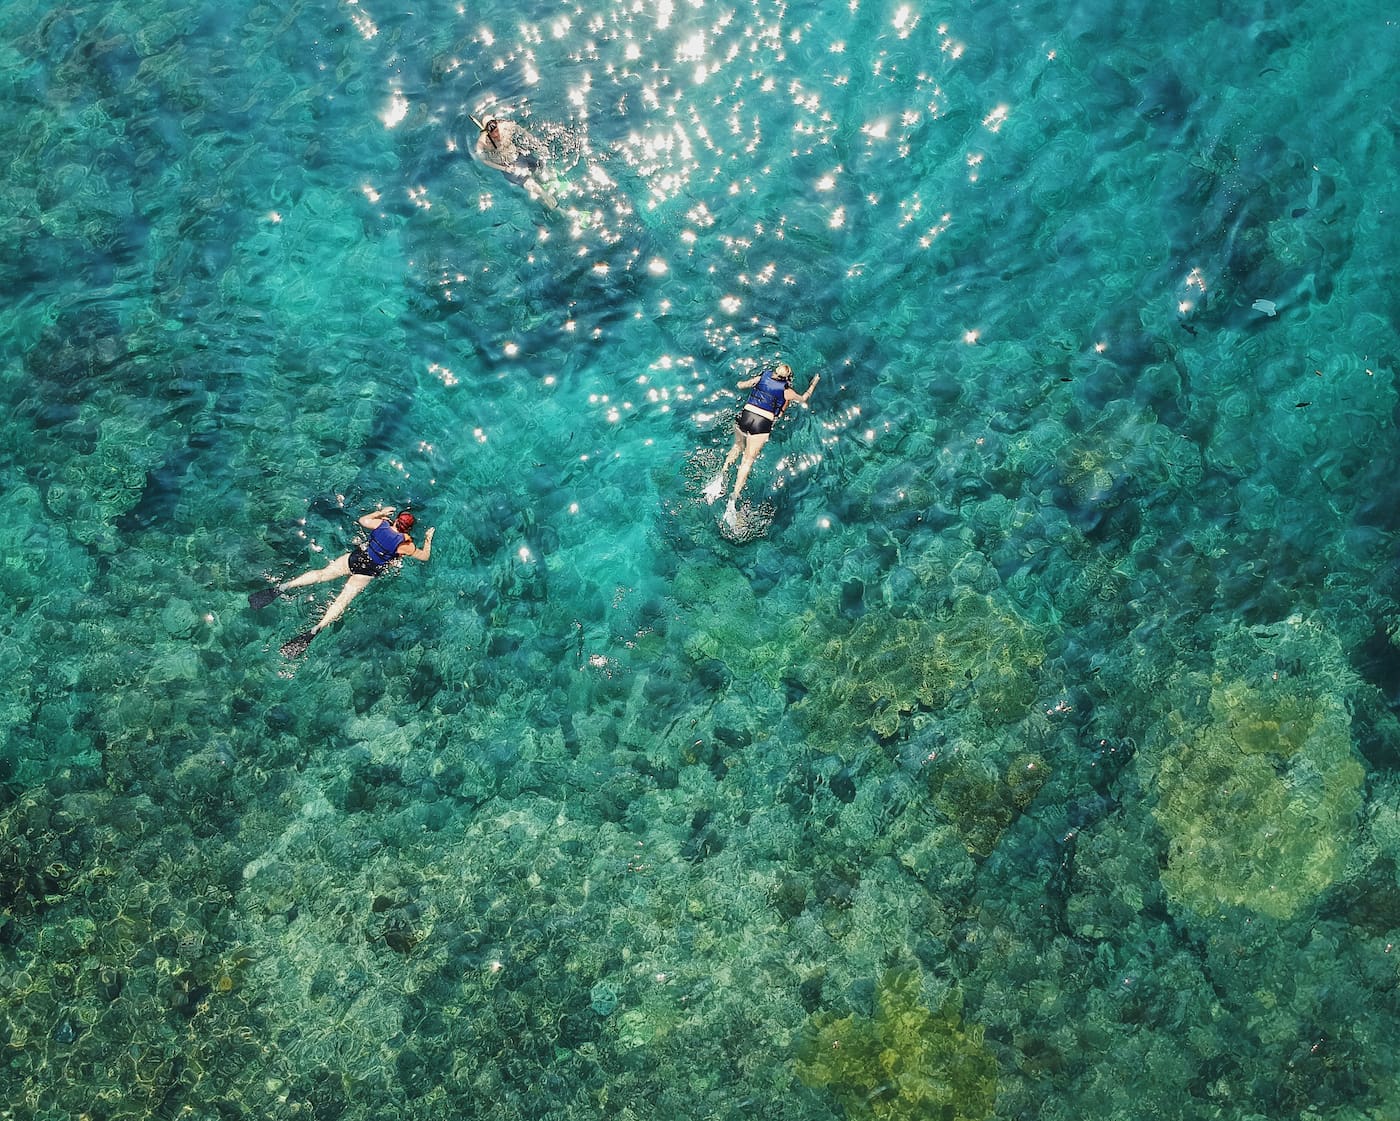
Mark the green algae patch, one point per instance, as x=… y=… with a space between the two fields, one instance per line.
x=905 y=1061
x=1259 y=802
x=980 y=800
x=974 y=650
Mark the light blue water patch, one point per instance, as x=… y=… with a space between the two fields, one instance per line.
x=1032 y=737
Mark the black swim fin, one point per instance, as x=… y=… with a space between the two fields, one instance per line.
x=263 y=597
x=296 y=647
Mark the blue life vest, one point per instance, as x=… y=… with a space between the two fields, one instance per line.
x=383 y=544
x=770 y=394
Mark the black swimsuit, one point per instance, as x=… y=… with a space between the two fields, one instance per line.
x=753 y=424
x=362 y=565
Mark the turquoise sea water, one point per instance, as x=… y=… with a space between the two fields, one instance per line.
x=1029 y=752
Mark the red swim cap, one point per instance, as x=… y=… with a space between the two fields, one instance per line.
x=404 y=520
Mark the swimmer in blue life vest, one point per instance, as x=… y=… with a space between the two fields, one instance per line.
x=770 y=392
x=511 y=150
x=388 y=541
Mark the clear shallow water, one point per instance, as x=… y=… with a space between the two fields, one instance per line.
x=1056 y=699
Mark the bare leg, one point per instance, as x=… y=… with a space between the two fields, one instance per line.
x=353 y=587
x=736 y=450
x=715 y=487
x=753 y=445
x=537 y=190
x=337 y=569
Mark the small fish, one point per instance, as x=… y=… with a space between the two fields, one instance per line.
x=1188 y=328
x=1302 y=404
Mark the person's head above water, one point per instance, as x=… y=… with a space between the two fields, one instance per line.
x=783 y=371
x=404 y=522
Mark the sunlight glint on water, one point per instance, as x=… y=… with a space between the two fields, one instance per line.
x=1024 y=745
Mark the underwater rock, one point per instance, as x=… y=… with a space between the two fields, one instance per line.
x=180 y=663
x=852 y=598
x=603 y=998
x=1164 y=99
x=179 y=619
x=843 y=785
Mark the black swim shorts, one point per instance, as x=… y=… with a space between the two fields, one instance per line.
x=753 y=424
x=361 y=565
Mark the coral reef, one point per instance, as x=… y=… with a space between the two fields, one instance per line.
x=980 y=799
x=904 y=1061
x=606 y=814
x=972 y=650
x=1259 y=791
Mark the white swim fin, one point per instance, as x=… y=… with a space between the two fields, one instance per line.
x=713 y=489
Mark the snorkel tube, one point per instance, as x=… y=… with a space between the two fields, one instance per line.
x=484 y=127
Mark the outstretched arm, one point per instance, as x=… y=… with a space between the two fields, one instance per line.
x=803 y=397
x=749 y=383
x=426 y=551
x=489 y=153
x=374 y=517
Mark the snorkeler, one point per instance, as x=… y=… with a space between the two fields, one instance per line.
x=388 y=541
x=770 y=392
x=500 y=145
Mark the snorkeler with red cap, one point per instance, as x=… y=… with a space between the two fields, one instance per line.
x=388 y=541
